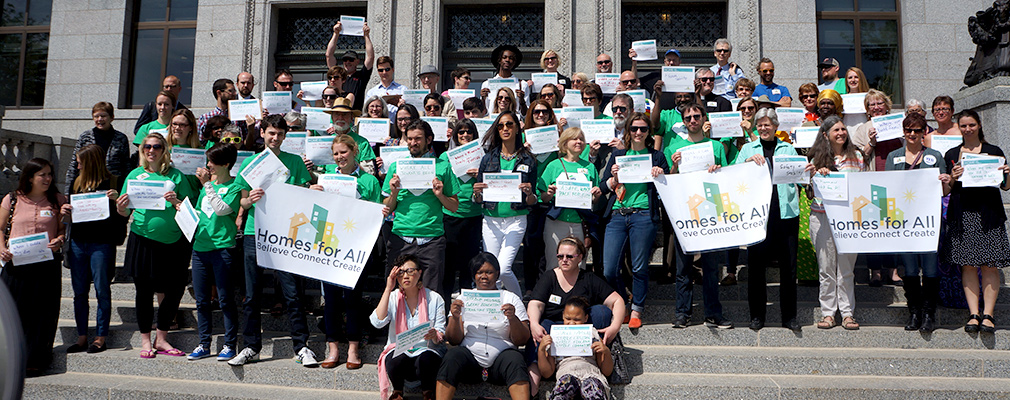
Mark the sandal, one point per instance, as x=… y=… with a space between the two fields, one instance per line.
x=850 y=324
x=827 y=322
x=986 y=328
x=147 y=354
x=970 y=327
x=172 y=352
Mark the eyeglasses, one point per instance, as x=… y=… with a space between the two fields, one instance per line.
x=808 y=96
x=330 y=96
x=504 y=98
x=619 y=109
x=335 y=77
x=232 y=139
x=692 y=117
x=766 y=71
x=409 y=271
x=918 y=130
x=180 y=124
x=707 y=79
x=432 y=107
x=153 y=146
x=635 y=128
x=554 y=58
x=566 y=256
x=722 y=50
x=285 y=84
x=383 y=69
x=509 y=124
x=603 y=62
x=540 y=111
x=941 y=109
x=465 y=77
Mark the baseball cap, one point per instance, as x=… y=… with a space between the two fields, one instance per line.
x=828 y=63
x=674 y=51
x=350 y=54
x=428 y=69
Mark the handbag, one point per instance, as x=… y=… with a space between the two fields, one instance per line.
x=621 y=374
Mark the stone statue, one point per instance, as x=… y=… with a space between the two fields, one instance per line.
x=990 y=31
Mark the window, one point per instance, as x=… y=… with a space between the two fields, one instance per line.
x=164 y=37
x=24 y=51
x=473 y=32
x=692 y=29
x=863 y=34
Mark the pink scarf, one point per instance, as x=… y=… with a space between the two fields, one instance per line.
x=400 y=324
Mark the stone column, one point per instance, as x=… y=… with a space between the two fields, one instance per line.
x=991 y=99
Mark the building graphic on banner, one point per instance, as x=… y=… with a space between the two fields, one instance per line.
x=317 y=229
x=713 y=204
x=878 y=208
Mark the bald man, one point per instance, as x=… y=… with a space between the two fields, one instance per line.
x=244 y=83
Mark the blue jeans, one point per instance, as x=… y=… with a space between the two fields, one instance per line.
x=620 y=230
x=710 y=282
x=213 y=268
x=927 y=262
x=290 y=287
x=91 y=262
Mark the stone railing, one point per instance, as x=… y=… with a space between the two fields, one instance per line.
x=16 y=148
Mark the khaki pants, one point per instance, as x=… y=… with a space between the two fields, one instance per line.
x=837 y=289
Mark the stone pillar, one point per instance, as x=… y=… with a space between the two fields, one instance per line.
x=991 y=99
x=559 y=33
x=86 y=47
x=221 y=46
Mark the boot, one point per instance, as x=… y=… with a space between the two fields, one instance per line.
x=913 y=296
x=931 y=296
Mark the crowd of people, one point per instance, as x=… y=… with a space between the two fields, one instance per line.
x=439 y=241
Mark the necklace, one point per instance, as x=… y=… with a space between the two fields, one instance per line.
x=509 y=157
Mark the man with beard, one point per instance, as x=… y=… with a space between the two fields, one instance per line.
x=505 y=59
x=417 y=222
x=245 y=82
x=342 y=117
x=669 y=123
x=776 y=93
x=829 y=74
x=621 y=106
x=224 y=91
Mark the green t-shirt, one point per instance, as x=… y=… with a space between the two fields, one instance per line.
x=840 y=86
x=421 y=215
x=467 y=208
x=718 y=150
x=582 y=170
x=504 y=210
x=636 y=195
x=142 y=132
x=217 y=231
x=667 y=119
x=365 y=152
x=298 y=176
x=159 y=225
x=368 y=185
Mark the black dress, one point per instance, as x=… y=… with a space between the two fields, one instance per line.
x=976 y=234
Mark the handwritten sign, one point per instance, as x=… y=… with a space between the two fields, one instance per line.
x=482 y=306
x=804 y=137
x=339 y=184
x=264 y=169
x=833 y=186
x=376 y=130
x=678 y=79
x=645 y=49
x=942 y=143
x=608 y=82
x=888 y=126
x=90 y=206
x=146 y=195
x=319 y=149
x=540 y=79
x=790 y=117
x=390 y=154
x=416 y=173
x=790 y=169
x=463 y=158
x=412 y=339
x=277 y=102
x=30 y=249
x=571 y=340
x=634 y=169
x=483 y=125
x=415 y=97
x=725 y=124
x=239 y=109
x=352 y=26
x=316 y=118
x=187 y=160
x=573 y=98
x=543 y=139
x=981 y=171
x=294 y=143
x=598 y=129
x=312 y=91
x=575 y=115
x=573 y=194
x=187 y=219
x=502 y=188
x=696 y=157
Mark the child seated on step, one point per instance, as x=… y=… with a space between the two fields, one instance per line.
x=578 y=377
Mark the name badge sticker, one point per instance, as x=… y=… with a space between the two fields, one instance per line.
x=929 y=159
x=776 y=91
x=899 y=160
x=555 y=299
x=522 y=168
x=46 y=213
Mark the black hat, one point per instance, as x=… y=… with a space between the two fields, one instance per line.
x=496 y=55
x=349 y=55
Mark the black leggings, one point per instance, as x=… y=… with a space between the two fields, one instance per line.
x=424 y=368
x=146 y=288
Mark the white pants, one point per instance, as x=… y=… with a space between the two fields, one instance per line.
x=502 y=237
x=837 y=289
x=554 y=231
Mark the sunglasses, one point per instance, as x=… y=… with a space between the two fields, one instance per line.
x=618 y=109
x=707 y=79
x=333 y=78
x=548 y=94
x=502 y=125
x=566 y=256
x=383 y=69
x=692 y=117
x=722 y=50
x=808 y=96
x=747 y=108
x=232 y=139
x=539 y=111
x=153 y=146
x=432 y=107
x=463 y=132
x=329 y=96
x=603 y=62
x=629 y=81
x=285 y=84
x=766 y=71
x=551 y=58
x=919 y=130
x=634 y=128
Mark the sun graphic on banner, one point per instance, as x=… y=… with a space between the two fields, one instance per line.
x=909 y=196
x=742 y=188
x=349 y=225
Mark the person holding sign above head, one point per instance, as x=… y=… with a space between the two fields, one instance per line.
x=692 y=155
x=633 y=210
x=33 y=213
x=921 y=298
x=217 y=208
x=506 y=58
x=92 y=254
x=114 y=144
x=337 y=299
x=606 y=308
x=832 y=151
x=164 y=103
x=514 y=169
x=411 y=311
x=487 y=346
x=580 y=179
x=670 y=59
x=275 y=129
x=416 y=190
x=157 y=254
x=357 y=81
x=463 y=226
x=783 y=224
x=976 y=236
x=579 y=377
x=775 y=92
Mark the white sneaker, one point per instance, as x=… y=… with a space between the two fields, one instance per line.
x=306 y=358
x=244 y=356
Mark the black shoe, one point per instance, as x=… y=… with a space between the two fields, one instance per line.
x=914 y=320
x=681 y=321
x=95 y=348
x=792 y=325
x=756 y=324
x=973 y=328
x=928 y=323
x=718 y=322
x=876 y=283
x=76 y=348
x=986 y=328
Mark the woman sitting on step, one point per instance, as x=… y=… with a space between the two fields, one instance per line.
x=578 y=377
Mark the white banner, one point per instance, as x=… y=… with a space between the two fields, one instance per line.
x=888 y=212
x=724 y=209
x=315 y=234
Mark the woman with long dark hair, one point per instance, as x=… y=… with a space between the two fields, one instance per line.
x=462 y=227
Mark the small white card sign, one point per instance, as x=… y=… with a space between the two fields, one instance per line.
x=415 y=97
x=571 y=340
x=413 y=338
x=804 y=137
x=90 y=206
x=30 y=249
x=889 y=126
x=573 y=194
x=790 y=117
x=834 y=186
x=608 y=83
x=458 y=96
x=187 y=160
x=352 y=26
x=981 y=171
x=242 y=155
x=543 y=139
x=502 y=188
x=187 y=219
x=696 y=157
x=415 y=173
x=294 y=143
x=482 y=306
x=725 y=124
x=312 y=91
x=678 y=79
x=573 y=98
x=465 y=157
x=543 y=78
x=942 y=143
x=439 y=126
x=390 y=154
x=319 y=149
x=376 y=130
x=277 y=102
x=264 y=169
x=575 y=115
x=852 y=103
x=598 y=129
x=483 y=125
x=790 y=169
x=339 y=184
x=634 y=169
x=645 y=49
x=146 y=195
x=638 y=97
x=238 y=109
x=317 y=119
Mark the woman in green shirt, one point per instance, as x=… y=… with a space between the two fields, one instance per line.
x=338 y=299
x=182 y=133
x=157 y=255
x=164 y=102
x=462 y=227
x=565 y=222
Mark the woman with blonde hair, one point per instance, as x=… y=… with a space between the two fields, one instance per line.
x=565 y=222
x=164 y=103
x=504 y=100
x=550 y=62
x=855 y=81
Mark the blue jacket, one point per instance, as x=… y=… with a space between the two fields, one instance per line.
x=789 y=203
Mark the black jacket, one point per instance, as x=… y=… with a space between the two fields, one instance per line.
x=492 y=163
x=658 y=160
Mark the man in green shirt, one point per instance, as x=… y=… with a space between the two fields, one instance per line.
x=666 y=120
x=342 y=116
x=417 y=225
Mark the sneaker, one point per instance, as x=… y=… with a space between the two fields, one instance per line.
x=680 y=321
x=718 y=322
x=244 y=356
x=306 y=358
x=729 y=280
x=199 y=352
x=756 y=324
x=227 y=353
